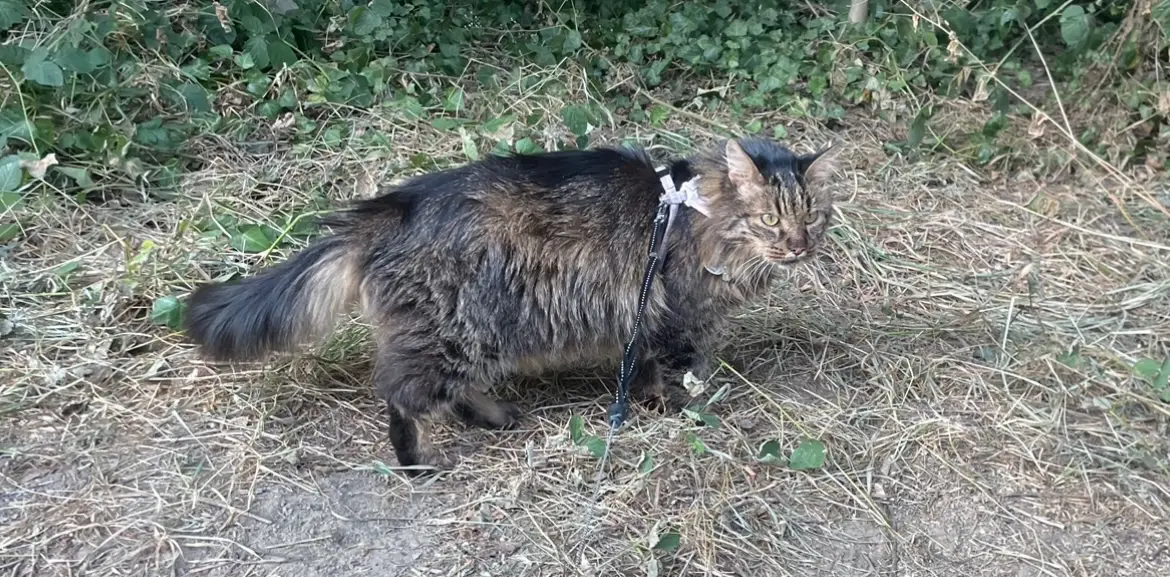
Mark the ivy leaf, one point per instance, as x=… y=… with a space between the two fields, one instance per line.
x=196 y=97
x=257 y=48
x=10 y=173
x=251 y=238
x=496 y=124
x=78 y=174
x=572 y=42
x=1147 y=369
x=153 y=134
x=1074 y=26
x=10 y=200
x=646 y=465
x=167 y=311
x=246 y=60
x=454 y=100
x=280 y=53
x=13 y=124
x=364 y=21
x=81 y=61
x=9 y=231
x=38 y=69
x=282 y=7
x=445 y=123
x=576 y=429
x=66 y=269
x=918 y=129
x=1070 y=358
x=220 y=51
x=697 y=444
x=382 y=7
x=770 y=453
x=577 y=119
x=527 y=146
x=703 y=417
x=737 y=29
x=669 y=541
x=12 y=12
x=810 y=454
x=1161 y=12
x=595 y=445
x=1163 y=381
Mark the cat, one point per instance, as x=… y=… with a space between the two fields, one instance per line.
x=517 y=265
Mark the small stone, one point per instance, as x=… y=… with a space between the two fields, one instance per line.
x=745 y=423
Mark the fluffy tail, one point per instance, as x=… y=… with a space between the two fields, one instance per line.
x=283 y=307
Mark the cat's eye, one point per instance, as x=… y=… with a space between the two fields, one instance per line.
x=770 y=219
x=814 y=218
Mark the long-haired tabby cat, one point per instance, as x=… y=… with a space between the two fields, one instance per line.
x=516 y=265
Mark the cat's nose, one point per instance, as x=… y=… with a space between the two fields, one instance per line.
x=797 y=245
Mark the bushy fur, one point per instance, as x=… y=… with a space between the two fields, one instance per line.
x=517 y=265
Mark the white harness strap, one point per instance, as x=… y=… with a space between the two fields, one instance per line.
x=688 y=194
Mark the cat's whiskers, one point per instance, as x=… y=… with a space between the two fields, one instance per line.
x=757 y=267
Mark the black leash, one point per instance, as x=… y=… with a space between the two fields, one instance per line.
x=621 y=405
x=668 y=205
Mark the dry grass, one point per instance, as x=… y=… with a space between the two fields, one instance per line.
x=927 y=349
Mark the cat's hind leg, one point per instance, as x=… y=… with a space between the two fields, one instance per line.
x=479 y=410
x=412 y=382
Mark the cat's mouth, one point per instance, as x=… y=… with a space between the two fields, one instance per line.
x=788 y=258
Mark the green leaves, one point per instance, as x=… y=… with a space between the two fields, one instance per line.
x=195 y=97
x=527 y=146
x=807 y=456
x=770 y=453
x=577 y=434
x=1157 y=374
x=577 y=119
x=704 y=417
x=12 y=12
x=37 y=68
x=167 y=311
x=81 y=61
x=658 y=114
x=454 y=100
x=669 y=541
x=253 y=238
x=10 y=173
x=918 y=128
x=1161 y=12
x=1074 y=26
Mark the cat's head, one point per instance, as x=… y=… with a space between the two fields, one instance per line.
x=768 y=202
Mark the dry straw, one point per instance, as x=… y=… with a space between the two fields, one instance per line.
x=928 y=348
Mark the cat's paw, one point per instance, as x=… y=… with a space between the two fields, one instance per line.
x=431 y=466
x=511 y=415
x=670 y=400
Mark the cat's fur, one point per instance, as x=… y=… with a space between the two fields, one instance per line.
x=522 y=264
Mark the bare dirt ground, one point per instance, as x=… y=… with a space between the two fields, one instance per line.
x=963 y=349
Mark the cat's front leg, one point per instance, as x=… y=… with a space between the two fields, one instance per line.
x=688 y=361
x=651 y=388
x=659 y=380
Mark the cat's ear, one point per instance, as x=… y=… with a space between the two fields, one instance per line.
x=740 y=168
x=818 y=167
